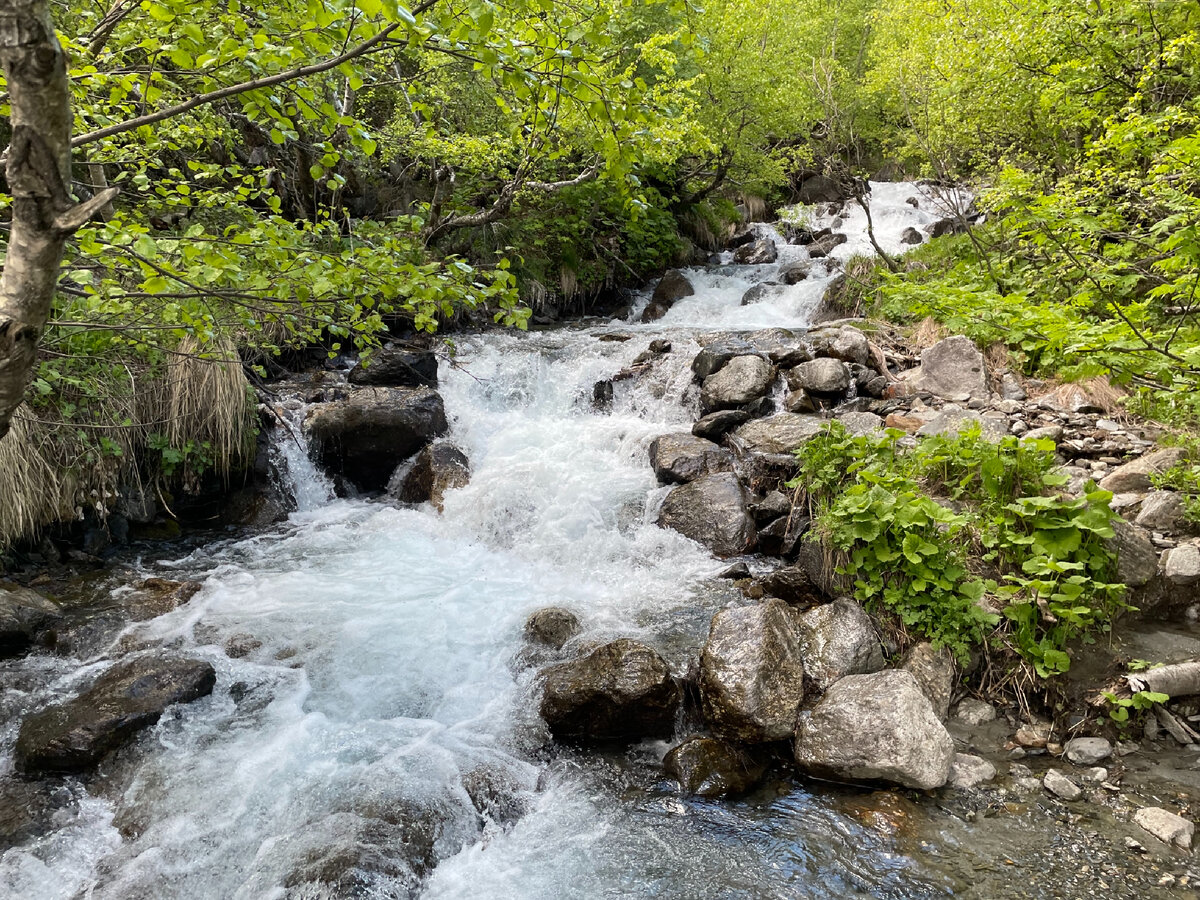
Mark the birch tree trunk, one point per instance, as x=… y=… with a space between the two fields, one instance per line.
x=39 y=174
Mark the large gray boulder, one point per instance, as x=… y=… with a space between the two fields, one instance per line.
x=952 y=420
x=1163 y=511
x=621 y=691
x=954 y=370
x=681 y=457
x=839 y=639
x=708 y=767
x=25 y=616
x=752 y=673
x=438 y=468
x=74 y=736
x=877 y=727
x=740 y=381
x=823 y=246
x=1135 y=475
x=367 y=435
x=672 y=287
x=756 y=253
x=717 y=353
x=778 y=434
x=397 y=367
x=760 y=292
x=819 y=189
x=1181 y=564
x=714 y=511
x=820 y=376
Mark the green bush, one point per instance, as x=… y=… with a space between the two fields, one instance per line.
x=942 y=532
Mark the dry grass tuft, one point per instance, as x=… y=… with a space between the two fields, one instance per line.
x=927 y=333
x=755 y=207
x=1099 y=392
x=205 y=398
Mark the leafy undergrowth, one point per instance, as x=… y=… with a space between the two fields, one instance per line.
x=965 y=541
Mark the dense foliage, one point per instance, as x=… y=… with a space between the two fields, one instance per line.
x=962 y=538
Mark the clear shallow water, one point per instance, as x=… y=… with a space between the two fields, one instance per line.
x=378 y=736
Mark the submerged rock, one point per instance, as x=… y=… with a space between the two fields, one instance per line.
x=73 y=736
x=708 y=767
x=438 y=468
x=25 y=616
x=397 y=368
x=680 y=458
x=742 y=380
x=366 y=436
x=752 y=673
x=875 y=727
x=714 y=511
x=621 y=691
x=839 y=639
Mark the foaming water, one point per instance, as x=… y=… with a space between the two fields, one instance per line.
x=371 y=734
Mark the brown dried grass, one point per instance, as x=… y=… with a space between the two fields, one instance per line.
x=926 y=333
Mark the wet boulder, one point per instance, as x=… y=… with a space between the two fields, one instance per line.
x=953 y=369
x=716 y=425
x=779 y=434
x=877 y=727
x=826 y=245
x=25 y=616
x=365 y=437
x=752 y=673
x=438 y=468
x=707 y=767
x=672 y=287
x=820 y=376
x=73 y=736
x=839 y=639
x=757 y=253
x=551 y=626
x=911 y=236
x=742 y=380
x=622 y=691
x=792 y=585
x=760 y=292
x=680 y=458
x=397 y=368
x=717 y=353
x=713 y=511
x=793 y=274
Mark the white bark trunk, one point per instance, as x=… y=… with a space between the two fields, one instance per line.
x=39 y=174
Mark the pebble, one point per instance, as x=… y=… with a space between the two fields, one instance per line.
x=975 y=712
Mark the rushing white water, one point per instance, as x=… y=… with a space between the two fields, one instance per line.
x=370 y=729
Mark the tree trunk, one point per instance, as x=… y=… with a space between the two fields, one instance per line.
x=39 y=173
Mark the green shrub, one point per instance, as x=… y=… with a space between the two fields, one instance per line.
x=942 y=532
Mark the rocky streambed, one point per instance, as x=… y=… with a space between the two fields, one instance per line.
x=543 y=623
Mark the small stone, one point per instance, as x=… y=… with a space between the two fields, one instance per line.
x=1010 y=387
x=1061 y=786
x=1095 y=775
x=1087 y=751
x=975 y=712
x=969 y=771
x=716 y=425
x=1181 y=565
x=1166 y=826
x=552 y=626
x=1046 y=432
x=1033 y=735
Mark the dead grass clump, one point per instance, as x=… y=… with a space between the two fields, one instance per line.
x=1098 y=392
x=205 y=399
x=926 y=333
